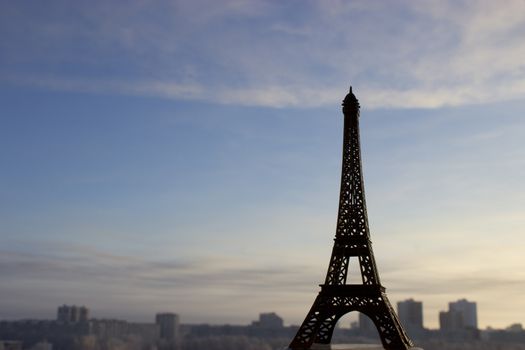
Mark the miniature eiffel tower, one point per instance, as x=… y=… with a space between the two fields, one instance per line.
x=352 y=241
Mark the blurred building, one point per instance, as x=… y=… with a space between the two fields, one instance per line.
x=515 y=328
x=43 y=345
x=450 y=320
x=149 y=332
x=468 y=311
x=461 y=315
x=269 y=320
x=108 y=328
x=72 y=314
x=410 y=314
x=511 y=334
x=169 y=326
x=10 y=345
x=366 y=325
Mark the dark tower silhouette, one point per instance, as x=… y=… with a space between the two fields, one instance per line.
x=352 y=241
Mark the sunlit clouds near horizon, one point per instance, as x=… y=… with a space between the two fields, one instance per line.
x=185 y=156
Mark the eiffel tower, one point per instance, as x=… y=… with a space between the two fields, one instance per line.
x=352 y=241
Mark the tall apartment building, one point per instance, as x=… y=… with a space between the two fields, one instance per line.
x=72 y=314
x=468 y=310
x=461 y=314
x=169 y=326
x=450 y=320
x=410 y=314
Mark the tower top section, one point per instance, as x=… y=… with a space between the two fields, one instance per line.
x=350 y=104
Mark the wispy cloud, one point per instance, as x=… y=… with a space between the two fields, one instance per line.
x=423 y=55
x=102 y=86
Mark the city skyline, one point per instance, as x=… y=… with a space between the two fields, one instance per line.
x=410 y=312
x=186 y=155
x=74 y=328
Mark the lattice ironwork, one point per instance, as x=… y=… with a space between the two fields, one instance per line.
x=352 y=240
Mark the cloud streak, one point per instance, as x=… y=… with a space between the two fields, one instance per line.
x=84 y=274
x=404 y=56
x=228 y=289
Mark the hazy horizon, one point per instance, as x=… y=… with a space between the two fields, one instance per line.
x=185 y=156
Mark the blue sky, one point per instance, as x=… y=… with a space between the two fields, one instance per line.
x=185 y=156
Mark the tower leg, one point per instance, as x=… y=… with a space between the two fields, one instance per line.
x=320 y=322
x=390 y=330
x=326 y=330
x=307 y=333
